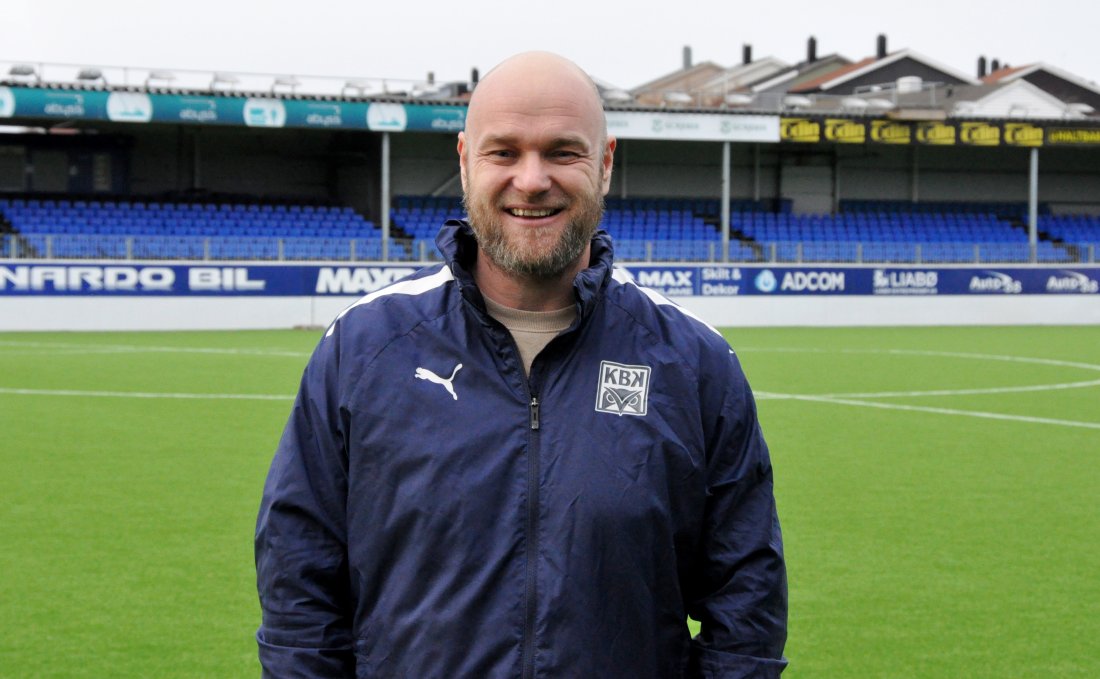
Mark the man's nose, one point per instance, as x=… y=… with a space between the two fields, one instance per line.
x=532 y=175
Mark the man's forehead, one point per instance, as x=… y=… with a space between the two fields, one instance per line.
x=537 y=85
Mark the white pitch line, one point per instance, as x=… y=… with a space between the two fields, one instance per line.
x=946 y=411
x=919 y=352
x=133 y=348
x=143 y=394
x=943 y=392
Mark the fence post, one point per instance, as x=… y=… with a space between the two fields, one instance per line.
x=206 y=249
x=351 y=250
x=918 y=254
x=798 y=252
x=859 y=252
x=977 y=253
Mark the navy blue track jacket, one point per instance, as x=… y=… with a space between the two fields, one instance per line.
x=433 y=512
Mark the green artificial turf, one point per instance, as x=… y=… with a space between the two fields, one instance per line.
x=920 y=543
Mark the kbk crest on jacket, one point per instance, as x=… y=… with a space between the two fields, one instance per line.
x=433 y=511
x=624 y=389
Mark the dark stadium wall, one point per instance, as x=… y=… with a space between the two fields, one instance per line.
x=265 y=164
x=157 y=161
x=424 y=164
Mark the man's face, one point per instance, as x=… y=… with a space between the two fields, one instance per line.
x=535 y=168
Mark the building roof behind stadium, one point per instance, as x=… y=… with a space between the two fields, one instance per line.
x=901 y=84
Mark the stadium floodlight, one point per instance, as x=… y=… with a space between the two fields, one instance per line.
x=24 y=71
x=739 y=99
x=854 y=104
x=797 y=101
x=288 y=81
x=160 y=76
x=91 y=75
x=965 y=108
x=357 y=86
x=617 y=96
x=228 y=80
x=1078 y=109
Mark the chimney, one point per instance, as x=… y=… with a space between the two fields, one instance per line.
x=995 y=66
x=811 y=50
x=981 y=67
x=881 y=51
x=431 y=77
x=746 y=53
x=474 y=77
x=687 y=57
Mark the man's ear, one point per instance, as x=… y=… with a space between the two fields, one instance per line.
x=607 y=161
x=462 y=159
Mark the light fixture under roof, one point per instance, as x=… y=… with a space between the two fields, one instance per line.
x=678 y=98
x=617 y=96
x=91 y=74
x=24 y=71
x=227 y=80
x=289 y=82
x=165 y=77
x=797 y=101
x=739 y=99
x=854 y=104
x=357 y=86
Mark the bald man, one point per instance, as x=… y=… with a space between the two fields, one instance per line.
x=519 y=463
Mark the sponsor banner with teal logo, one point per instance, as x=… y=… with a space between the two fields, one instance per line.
x=128 y=278
x=326 y=114
x=197 y=109
x=42 y=103
x=249 y=111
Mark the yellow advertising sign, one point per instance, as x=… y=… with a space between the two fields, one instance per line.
x=1070 y=135
x=799 y=129
x=979 y=134
x=845 y=131
x=889 y=132
x=1023 y=134
x=938 y=134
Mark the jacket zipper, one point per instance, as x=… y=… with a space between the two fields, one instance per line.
x=530 y=604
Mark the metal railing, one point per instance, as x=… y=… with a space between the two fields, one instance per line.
x=197 y=248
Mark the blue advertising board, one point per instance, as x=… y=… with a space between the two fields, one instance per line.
x=155 y=279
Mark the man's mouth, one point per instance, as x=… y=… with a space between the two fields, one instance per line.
x=531 y=212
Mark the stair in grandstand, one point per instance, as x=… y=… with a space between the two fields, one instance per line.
x=1061 y=250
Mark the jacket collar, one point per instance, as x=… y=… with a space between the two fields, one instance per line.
x=459 y=248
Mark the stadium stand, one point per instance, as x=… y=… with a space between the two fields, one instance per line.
x=645 y=229
x=181 y=230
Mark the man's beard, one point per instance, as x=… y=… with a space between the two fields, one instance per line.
x=529 y=254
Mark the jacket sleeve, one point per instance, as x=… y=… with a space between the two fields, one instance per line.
x=740 y=587
x=301 y=536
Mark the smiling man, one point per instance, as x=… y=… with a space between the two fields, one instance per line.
x=519 y=463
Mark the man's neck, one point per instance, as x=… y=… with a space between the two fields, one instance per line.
x=527 y=294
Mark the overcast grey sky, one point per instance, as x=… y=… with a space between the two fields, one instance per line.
x=625 y=43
